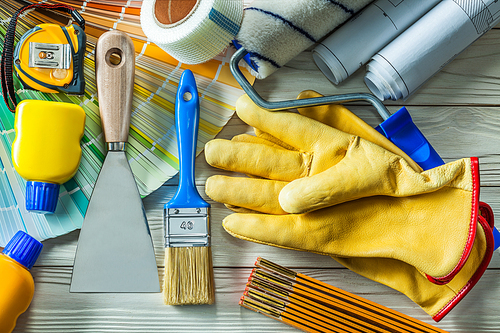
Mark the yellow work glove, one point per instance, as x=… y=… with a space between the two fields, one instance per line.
x=389 y=209
x=325 y=166
x=436 y=300
x=375 y=227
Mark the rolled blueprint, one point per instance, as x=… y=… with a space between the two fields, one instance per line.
x=433 y=41
x=354 y=43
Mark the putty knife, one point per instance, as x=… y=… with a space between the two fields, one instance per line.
x=115 y=251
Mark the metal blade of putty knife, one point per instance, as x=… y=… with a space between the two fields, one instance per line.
x=115 y=250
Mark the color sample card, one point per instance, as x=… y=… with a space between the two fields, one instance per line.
x=152 y=147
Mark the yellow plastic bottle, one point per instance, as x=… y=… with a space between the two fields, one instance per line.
x=46 y=150
x=16 y=283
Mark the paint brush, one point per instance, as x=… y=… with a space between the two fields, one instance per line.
x=189 y=277
x=311 y=297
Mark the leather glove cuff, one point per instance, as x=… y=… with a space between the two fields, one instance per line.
x=436 y=300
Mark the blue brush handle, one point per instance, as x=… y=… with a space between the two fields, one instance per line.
x=187 y=119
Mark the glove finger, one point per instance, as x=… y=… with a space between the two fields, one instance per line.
x=274 y=230
x=262 y=138
x=257 y=139
x=260 y=160
x=268 y=137
x=339 y=117
x=366 y=170
x=253 y=139
x=255 y=194
x=238 y=209
x=369 y=170
x=436 y=300
x=331 y=231
x=292 y=128
x=408 y=231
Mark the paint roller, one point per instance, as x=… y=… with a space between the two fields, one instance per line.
x=273 y=33
x=268 y=34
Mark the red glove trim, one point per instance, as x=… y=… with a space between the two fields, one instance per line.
x=487 y=213
x=480 y=271
x=472 y=228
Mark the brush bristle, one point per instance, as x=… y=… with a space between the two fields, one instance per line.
x=189 y=276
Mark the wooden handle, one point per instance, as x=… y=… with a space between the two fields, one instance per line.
x=114 y=68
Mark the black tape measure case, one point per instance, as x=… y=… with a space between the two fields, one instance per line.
x=48 y=58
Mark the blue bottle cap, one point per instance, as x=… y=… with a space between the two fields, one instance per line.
x=23 y=248
x=41 y=197
x=400 y=129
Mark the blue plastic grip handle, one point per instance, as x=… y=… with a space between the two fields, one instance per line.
x=400 y=129
x=187 y=119
x=496 y=237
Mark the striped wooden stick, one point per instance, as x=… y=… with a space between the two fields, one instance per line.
x=317 y=306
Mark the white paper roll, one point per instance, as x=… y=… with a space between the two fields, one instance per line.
x=353 y=44
x=204 y=33
x=401 y=67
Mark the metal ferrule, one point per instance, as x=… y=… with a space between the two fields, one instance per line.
x=268 y=287
x=186 y=227
x=116 y=146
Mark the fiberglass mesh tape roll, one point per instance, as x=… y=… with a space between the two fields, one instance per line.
x=192 y=32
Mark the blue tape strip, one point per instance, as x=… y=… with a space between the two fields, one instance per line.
x=223 y=21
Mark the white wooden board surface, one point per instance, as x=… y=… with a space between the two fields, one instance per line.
x=457 y=110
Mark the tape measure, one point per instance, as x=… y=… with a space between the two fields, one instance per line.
x=48 y=57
